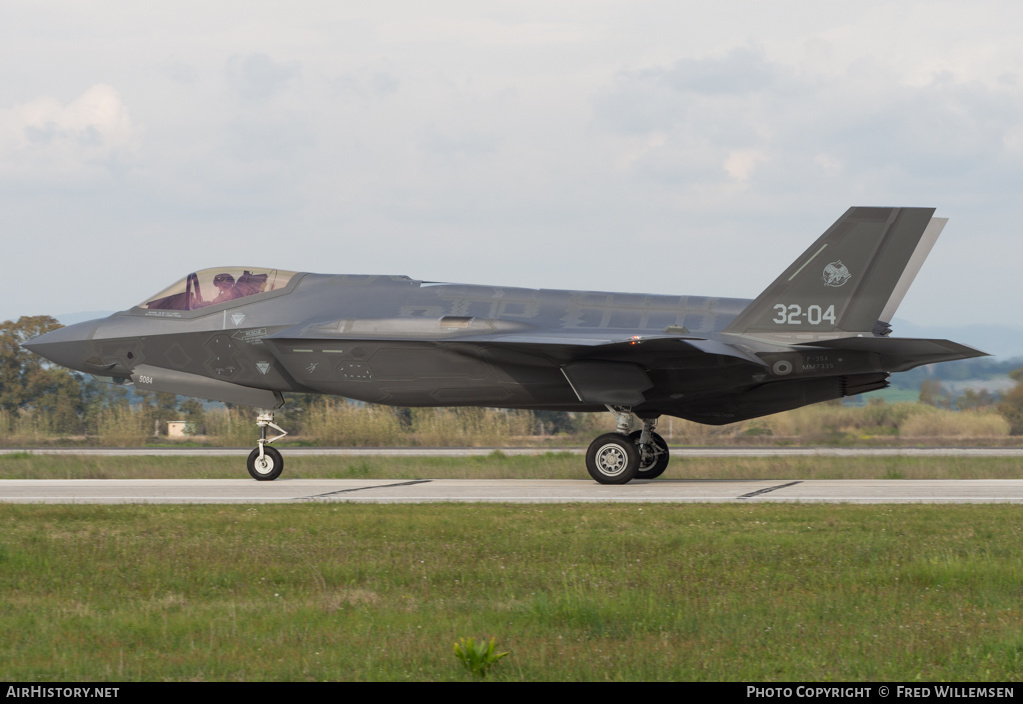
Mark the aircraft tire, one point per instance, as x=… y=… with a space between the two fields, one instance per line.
x=655 y=466
x=267 y=470
x=612 y=459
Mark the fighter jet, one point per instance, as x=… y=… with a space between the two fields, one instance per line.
x=247 y=335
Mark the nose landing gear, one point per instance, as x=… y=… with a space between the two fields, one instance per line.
x=620 y=457
x=265 y=463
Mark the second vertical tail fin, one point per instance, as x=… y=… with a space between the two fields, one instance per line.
x=850 y=281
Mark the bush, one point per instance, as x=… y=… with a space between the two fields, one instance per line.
x=345 y=424
x=232 y=427
x=938 y=422
x=25 y=427
x=123 y=426
x=468 y=427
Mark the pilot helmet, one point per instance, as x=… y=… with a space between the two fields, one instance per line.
x=223 y=280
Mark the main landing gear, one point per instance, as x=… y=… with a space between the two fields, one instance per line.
x=620 y=457
x=265 y=463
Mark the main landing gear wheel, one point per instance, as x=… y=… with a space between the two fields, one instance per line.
x=653 y=459
x=612 y=459
x=265 y=468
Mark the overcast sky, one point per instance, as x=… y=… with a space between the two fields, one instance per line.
x=663 y=147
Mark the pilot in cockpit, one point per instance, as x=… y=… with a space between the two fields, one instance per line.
x=228 y=291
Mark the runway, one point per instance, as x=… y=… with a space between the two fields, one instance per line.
x=247 y=491
x=671 y=490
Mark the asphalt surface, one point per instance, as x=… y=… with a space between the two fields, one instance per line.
x=232 y=491
x=285 y=490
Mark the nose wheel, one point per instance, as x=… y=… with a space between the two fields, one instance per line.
x=265 y=463
x=265 y=468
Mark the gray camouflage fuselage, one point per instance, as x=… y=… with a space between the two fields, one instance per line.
x=397 y=341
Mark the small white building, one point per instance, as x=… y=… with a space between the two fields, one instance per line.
x=178 y=428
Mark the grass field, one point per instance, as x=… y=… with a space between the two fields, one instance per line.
x=382 y=592
x=499 y=466
x=355 y=592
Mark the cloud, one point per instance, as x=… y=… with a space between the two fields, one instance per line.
x=366 y=83
x=43 y=139
x=710 y=94
x=179 y=72
x=448 y=142
x=255 y=139
x=741 y=71
x=745 y=118
x=483 y=31
x=740 y=163
x=257 y=78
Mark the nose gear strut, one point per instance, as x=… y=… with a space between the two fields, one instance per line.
x=265 y=463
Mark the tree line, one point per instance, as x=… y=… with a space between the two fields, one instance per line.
x=67 y=402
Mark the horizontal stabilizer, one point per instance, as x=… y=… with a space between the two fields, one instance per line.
x=899 y=354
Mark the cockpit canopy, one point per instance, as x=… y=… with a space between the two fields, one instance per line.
x=212 y=286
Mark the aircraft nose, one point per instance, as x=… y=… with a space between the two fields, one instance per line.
x=65 y=346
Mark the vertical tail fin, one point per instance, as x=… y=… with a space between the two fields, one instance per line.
x=850 y=280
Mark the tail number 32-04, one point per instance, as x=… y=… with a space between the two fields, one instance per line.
x=794 y=314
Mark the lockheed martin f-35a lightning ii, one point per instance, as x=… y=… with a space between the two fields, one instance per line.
x=246 y=335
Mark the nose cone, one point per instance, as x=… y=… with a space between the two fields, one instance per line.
x=66 y=346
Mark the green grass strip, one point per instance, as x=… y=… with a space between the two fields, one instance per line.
x=606 y=592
